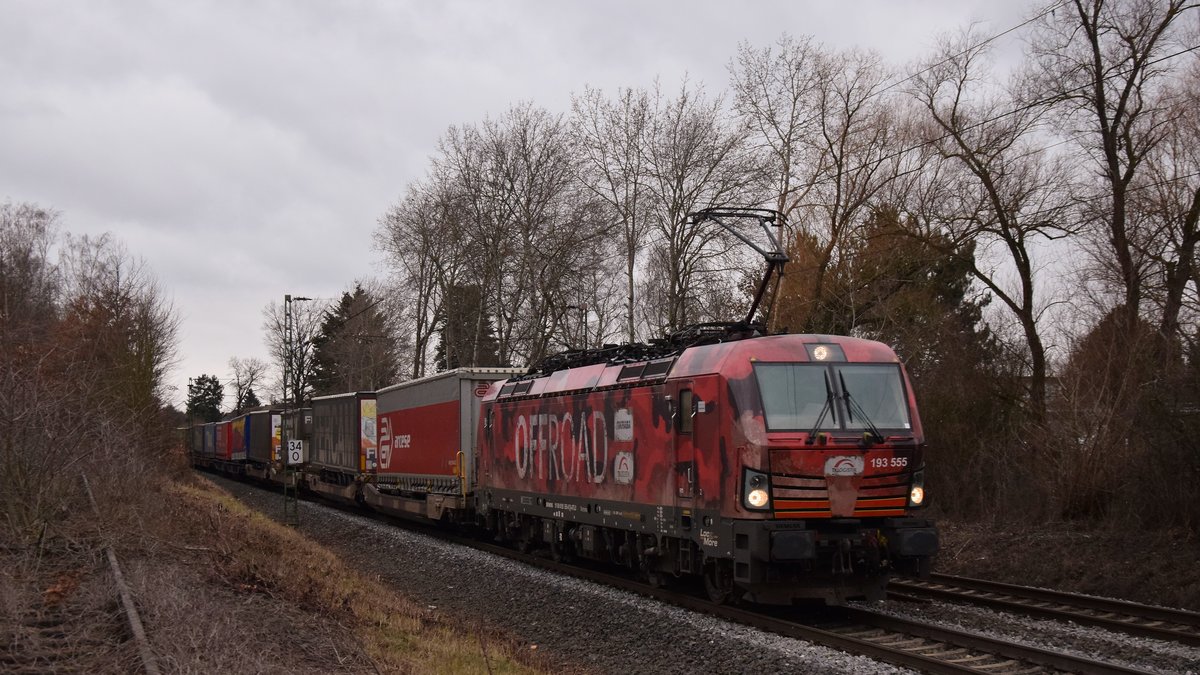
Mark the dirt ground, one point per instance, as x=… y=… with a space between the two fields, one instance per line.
x=221 y=589
x=1161 y=568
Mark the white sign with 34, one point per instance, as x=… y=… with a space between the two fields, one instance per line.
x=295 y=451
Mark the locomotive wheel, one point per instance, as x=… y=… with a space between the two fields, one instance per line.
x=718 y=584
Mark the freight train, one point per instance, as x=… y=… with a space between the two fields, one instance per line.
x=768 y=468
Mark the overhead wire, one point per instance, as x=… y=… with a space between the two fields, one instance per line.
x=977 y=45
x=1023 y=108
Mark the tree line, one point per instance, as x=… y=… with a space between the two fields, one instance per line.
x=86 y=338
x=351 y=344
x=1027 y=242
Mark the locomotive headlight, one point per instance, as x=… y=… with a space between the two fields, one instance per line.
x=916 y=493
x=757 y=498
x=756 y=490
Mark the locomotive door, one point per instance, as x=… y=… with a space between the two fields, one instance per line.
x=685 y=447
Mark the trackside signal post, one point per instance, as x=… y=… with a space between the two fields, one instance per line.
x=293 y=449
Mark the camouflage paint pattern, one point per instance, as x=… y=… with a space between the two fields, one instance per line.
x=625 y=442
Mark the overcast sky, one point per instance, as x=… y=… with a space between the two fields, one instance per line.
x=247 y=149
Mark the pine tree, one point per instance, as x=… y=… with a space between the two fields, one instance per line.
x=205 y=395
x=355 y=349
x=468 y=337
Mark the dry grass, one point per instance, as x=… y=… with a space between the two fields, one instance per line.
x=248 y=594
x=220 y=589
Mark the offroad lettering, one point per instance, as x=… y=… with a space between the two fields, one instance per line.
x=559 y=448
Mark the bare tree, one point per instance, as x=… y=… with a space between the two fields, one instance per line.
x=34 y=429
x=854 y=162
x=610 y=136
x=1103 y=63
x=526 y=226
x=1167 y=200
x=694 y=160
x=29 y=280
x=426 y=238
x=245 y=375
x=306 y=322
x=471 y=171
x=121 y=320
x=836 y=145
x=993 y=184
x=776 y=95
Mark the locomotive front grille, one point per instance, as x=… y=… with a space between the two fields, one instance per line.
x=798 y=496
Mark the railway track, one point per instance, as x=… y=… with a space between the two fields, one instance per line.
x=1115 y=615
x=64 y=634
x=903 y=642
x=48 y=639
x=908 y=643
x=132 y=619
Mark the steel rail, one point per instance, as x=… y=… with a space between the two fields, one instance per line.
x=136 y=629
x=903 y=642
x=1020 y=654
x=936 y=650
x=1117 y=615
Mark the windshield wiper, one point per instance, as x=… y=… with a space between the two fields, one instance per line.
x=812 y=437
x=853 y=407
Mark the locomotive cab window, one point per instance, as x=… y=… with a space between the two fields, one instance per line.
x=873 y=394
x=851 y=396
x=796 y=396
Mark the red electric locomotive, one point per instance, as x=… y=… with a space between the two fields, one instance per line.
x=774 y=467
x=778 y=467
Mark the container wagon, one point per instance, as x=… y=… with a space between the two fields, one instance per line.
x=343 y=443
x=262 y=435
x=427 y=428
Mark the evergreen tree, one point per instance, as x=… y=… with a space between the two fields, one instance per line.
x=914 y=291
x=468 y=337
x=355 y=348
x=205 y=395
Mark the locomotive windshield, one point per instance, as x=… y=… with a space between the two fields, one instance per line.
x=863 y=395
